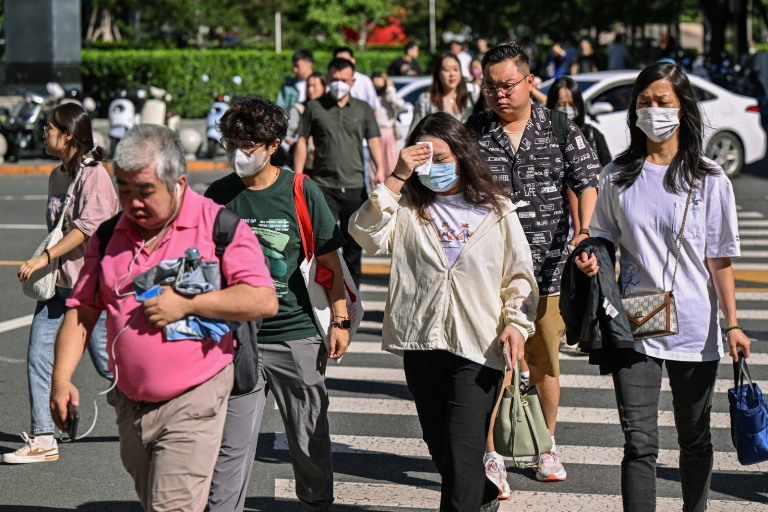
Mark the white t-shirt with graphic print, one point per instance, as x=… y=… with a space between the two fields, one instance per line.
x=643 y=220
x=456 y=221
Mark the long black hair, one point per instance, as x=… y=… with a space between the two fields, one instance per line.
x=688 y=164
x=553 y=96
x=71 y=118
x=436 y=92
x=479 y=187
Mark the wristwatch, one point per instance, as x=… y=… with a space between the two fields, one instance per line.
x=345 y=324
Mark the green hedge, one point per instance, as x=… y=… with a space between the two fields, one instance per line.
x=180 y=72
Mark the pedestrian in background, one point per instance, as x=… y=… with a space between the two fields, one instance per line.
x=408 y=63
x=449 y=92
x=68 y=136
x=315 y=90
x=292 y=356
x=170 y=398
x=618 y=54
x=387 y=118
x=585 y=61
x=339 y=124
x=643 y=199
x=294 y=89
x=455 y=241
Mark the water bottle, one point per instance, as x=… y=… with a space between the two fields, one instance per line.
x=192 y=258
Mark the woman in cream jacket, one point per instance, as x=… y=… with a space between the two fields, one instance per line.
x=461 y=292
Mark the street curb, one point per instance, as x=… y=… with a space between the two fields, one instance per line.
x=37 y=169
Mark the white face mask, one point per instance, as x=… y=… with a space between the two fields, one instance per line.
x=569 y=111
x=247 y=165
x=339 y=89
x=658 y=124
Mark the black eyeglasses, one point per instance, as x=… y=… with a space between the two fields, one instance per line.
x=506 y=90
x=246 y=146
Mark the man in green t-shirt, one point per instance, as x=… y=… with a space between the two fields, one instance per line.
x=338 y=124
x=290 y=346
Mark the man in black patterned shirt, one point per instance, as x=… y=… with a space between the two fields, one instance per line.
x=517 y=140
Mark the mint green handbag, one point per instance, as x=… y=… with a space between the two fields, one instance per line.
x=520 y=430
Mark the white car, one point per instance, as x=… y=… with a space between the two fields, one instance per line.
x=733 y=133
x=409 y=89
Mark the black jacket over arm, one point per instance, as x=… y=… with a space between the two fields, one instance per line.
x=591 y=307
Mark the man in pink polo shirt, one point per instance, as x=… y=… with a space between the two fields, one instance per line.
x=170 y=396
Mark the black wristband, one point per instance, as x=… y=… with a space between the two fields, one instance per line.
x=398 y=177
x=47 y=255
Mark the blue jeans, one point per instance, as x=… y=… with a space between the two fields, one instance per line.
x=637 y=387
x=49 y=316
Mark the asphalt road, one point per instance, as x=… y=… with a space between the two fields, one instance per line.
x=381 y=463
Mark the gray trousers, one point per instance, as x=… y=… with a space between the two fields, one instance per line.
x=294 y=371
x=637 y=389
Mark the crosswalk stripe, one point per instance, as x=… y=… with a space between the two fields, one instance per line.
x=752 y=232
x=601 y=456
x=16 y=323
x=374 y=347
x=587 y=382
x=753 y=224
x=373 y=288
x=755 y=296
x=24 y=226
x=753 y=243
x=750 y=314
x=749 y=215
x=602 y=416
x=374 y=495
x=374 y=305
x=754 y=254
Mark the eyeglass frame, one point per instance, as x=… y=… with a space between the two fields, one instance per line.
x=226 y=141
x=506 y=91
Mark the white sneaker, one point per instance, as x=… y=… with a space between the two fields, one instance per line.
x=496 y=472
x=550 y=469
x=32 y=451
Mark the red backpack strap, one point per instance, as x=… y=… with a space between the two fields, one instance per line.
x=302 y=215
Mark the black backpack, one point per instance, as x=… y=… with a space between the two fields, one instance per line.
x=246 y=362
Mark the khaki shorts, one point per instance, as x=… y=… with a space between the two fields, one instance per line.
x=543 y=349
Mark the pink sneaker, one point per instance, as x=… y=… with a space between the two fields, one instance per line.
x=550 y=469
x=497 y=474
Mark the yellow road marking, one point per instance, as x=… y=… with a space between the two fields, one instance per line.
x=757 y=276
x=10 y=263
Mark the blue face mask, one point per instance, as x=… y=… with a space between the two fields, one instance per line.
x=441 y=177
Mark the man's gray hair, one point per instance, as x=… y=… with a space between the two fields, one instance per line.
x=148 y=144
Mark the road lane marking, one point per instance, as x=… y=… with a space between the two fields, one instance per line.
x=11 y=360
x=379 y=288
x=749 y=215
x=16 y=323
x=24 y=226
x=753 y=224
x=376 y=495
x=29 y=197
x=581 y=415
x=749 y=314
x=569 y=381
x=762 y=267
x=597 y=455
x=754 y=254
x=11 y=263
x=753 y=243
x=752 y=232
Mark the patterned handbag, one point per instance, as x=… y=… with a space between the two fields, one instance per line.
x=653 y=315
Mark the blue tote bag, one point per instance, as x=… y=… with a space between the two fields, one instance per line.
x=749 y=416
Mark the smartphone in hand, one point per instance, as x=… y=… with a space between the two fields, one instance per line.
x=73 y=420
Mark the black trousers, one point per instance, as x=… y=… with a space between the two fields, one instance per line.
x=454 y=400
x=343 y=203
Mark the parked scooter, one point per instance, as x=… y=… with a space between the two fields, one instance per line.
x=123 y=114
x=24 y=128
x=155 y=110
x=215 y=113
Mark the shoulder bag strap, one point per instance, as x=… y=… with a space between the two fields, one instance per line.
x=70 y=195
x=302 y=216
x=680 y=236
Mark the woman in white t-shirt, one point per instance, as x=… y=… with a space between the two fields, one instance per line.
x=461 y=289
x=642 y=202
